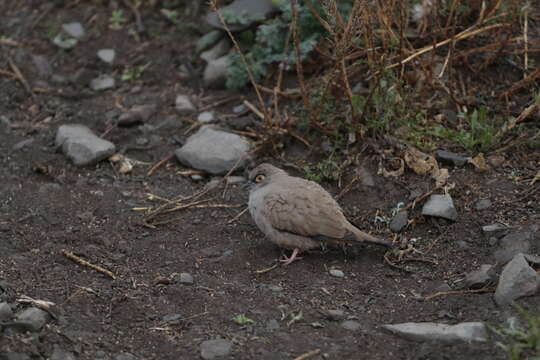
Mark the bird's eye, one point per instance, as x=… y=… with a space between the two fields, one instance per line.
x=259 y=178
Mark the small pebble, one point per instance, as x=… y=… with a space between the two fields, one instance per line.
x=184 y=278
x=337 y=273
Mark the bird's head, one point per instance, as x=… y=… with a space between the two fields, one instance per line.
x=262 y=175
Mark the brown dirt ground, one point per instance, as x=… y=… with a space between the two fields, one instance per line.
x=90 y=213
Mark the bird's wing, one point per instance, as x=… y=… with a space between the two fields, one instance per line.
x=304 y=208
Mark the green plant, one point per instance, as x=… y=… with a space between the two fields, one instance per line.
x=117 y=19
x=242 y=320
x=133 y=73
x=520 y=341
x=269 y=43
x=477 y=134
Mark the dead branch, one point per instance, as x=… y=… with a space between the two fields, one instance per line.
x=83 y=262
x=460 y=292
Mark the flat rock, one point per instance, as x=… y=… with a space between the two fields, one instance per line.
x=34 y=316
x=350 y=325
x=480 y=278
x=336 y=273
x=494 y=229
x=184 y=278
x=211 y=349
x=74 y=29
x=106 y=55
x=517 y=279
x=448 y=334
x=213 y=150
x=217 y=51
x=215 y=72
x=272 y=324
x=81 y=146
x=206 y=117
x=102 y=82
x=399 y=221
x=452 y=158
x=248 y=11
x=440 y=206
x=184 y=106
x=334 y=314
x=512 y=244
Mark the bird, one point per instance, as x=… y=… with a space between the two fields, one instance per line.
x=299 y=214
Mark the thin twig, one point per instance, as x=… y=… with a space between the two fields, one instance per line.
x=262 y=271
x=460 y=292
x=238 y=216
x=83 y=262
x=308 y=354
x=158 y=164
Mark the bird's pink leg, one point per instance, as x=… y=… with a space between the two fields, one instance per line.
x=288 y=260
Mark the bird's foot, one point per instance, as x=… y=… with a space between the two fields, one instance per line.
x=288 y=260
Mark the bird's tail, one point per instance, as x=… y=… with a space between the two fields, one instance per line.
x=370 y=239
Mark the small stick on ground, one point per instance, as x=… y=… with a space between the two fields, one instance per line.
x=347 y=188
x=460 y=292
x=19 y=75
x=237 y=216
x=262 y=271
x=83 y=262
x=158 y=164
x=308 y=354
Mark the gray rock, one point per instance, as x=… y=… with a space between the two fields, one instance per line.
x=366 y=179
x=22 y=144
x=272 y=324
x=217 y=51
x=440 y=206
x=215 y=72
x=184 y=106
x=60 y=354
x=137 y=114
x=350 y=325
x=206 y=117
x=100 y=354
x=238 y=109
x=211 y=349
x=197 y=177
x=125 y=356
x=74 y=29
x=482 y=204
x=34 y=316
x=334 y=314
x=102 y=82
x=5 y=312
x=80 y=144
x=399 y=221
x=517 y=279
x=512 y=244
x=452 y=158
x=448 y=334
x=485 y=276
x=494 y=229
x=42 y=64
x=106 y=55
x=336 y=273
x=213 y=150
x=64 y=42
x=248 y=11
x=184 y=278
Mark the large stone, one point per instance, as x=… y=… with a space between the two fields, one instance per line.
x=217 y=51
x=440 y=206
x=517 y=279
x=80 y=145
x=211 y=349
x=480 y=278
x=512 y=244
x=216 y=71
x=247 y=12
x=213 y=150
x=448 y=334
x=34 y=316
x=399 y=221
x=184 y=106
